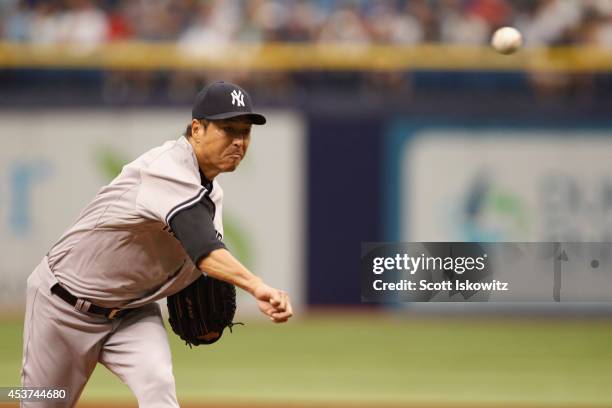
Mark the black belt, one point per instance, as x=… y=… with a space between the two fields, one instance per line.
x=83 y=305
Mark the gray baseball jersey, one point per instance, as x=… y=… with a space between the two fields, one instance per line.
x=139 y=240
x=121 y=251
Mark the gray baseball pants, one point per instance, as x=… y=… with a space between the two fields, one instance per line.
x=61 y=347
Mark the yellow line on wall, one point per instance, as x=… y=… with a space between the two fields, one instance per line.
x=295 y=57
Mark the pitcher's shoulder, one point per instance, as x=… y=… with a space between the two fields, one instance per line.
x=172 y=157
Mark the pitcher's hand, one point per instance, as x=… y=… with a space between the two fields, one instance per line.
x=274 y=303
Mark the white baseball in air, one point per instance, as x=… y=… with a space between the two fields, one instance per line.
x=507 y=40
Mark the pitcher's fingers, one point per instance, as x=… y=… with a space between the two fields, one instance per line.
x=289 y=307
x=282 y=306
x=275 y=299
x=285 y=303
x=280 y=317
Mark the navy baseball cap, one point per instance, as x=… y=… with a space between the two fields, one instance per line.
x=224 y=100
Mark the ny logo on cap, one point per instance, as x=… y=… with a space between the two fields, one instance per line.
x=237 y=98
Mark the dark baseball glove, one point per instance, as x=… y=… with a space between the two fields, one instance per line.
x=200 y=312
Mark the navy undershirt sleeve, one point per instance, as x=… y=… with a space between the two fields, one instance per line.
x=194 y=228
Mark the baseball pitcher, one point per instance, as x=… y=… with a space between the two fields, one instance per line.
x=153 y=232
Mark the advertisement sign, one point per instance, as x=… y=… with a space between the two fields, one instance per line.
x=500 y=184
